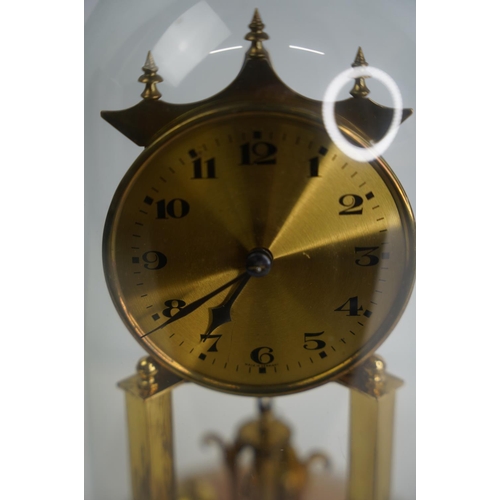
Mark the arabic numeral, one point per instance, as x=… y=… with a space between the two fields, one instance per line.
x=154 y=260
x=313 y=344
x=262 y=355
x=204 y=170
x=314 y=167
x=172 y=305
x=259 y=153
x=367 y=258
x=352 y=202
x=213 y=347
x=176 y=208
x=350 y=306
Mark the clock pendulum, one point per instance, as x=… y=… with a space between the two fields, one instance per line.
x=247 y=253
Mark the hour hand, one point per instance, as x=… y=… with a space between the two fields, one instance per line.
x=258 y=264
x=197 y=303
x=222 y=314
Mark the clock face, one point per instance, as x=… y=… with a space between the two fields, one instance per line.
x=249 y=254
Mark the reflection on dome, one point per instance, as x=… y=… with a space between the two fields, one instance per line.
x=188 y=40
x=228 y=48
x=307 y=50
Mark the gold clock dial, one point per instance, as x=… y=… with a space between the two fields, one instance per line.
x=249 y=254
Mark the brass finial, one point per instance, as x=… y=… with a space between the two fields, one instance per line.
x=256 y=36
x=360 y=59
x=360 y=89
x=372 y=375
x=150 y=78
x=147 y=371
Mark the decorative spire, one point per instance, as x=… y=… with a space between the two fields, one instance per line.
x=360 y=59
x=150 y=78
x=256 y=36
x=360 y=89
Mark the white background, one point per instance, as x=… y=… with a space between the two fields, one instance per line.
x=41 y=196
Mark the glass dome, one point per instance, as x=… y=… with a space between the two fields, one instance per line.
x=199 y=48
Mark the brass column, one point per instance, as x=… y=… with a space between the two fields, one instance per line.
x=150 y=431
x=373 y=395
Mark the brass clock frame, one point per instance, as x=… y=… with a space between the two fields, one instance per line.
x=151 y=123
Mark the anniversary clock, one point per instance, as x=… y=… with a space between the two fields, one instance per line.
x=248 y=253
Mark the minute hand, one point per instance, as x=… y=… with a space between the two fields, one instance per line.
x=197 y=303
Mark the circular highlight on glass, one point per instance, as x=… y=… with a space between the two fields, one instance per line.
x=332 y=91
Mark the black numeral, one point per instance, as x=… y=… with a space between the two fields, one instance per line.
x=204 y=170
x=258 y=153
x=262 y=355
x=313 y=344
x=314 y=167
x=154 y=260
x=174 y=304
x=352 y=202
x=367 y=257
x=314 y=162
x=205 y=337
x=175 y=208
x=350 y=306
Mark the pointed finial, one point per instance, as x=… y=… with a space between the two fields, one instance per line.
x=360 y=59
x=360 y=89
x=256 y=36
x=150 y=78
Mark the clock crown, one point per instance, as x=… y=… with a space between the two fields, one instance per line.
x=256 y=84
